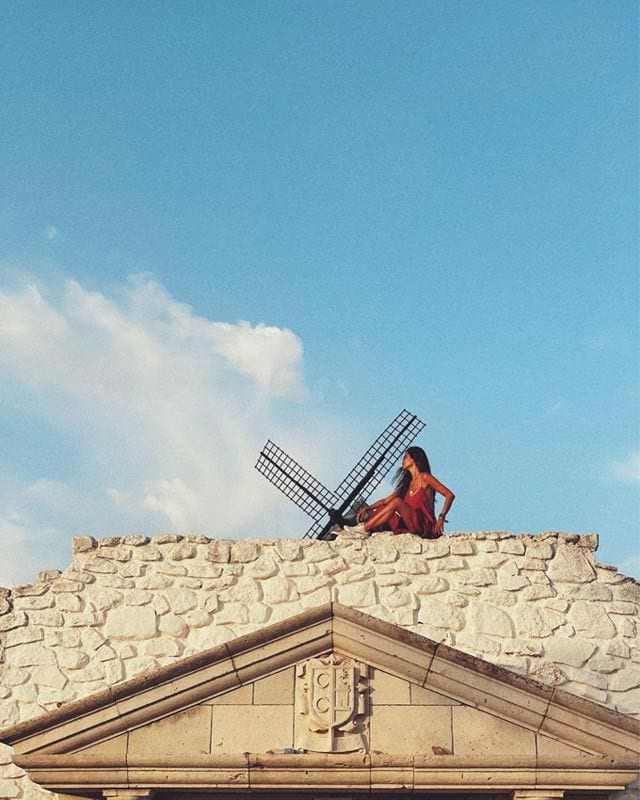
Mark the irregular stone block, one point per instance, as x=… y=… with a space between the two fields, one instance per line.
x=149 y=554
x=246 y=591
x=197 y=618
x=288 y=549
x=63 y=585
x=332 y=566
x=439 y=615
x=605 y=664
x=109 y=541
x=173 y=626
x=435 y=548
x=591 y=620
x=167 y=538
x=618 y=648
x=82 y=544
x=412 y=565
x=571 y=564
x=624 y=680
x=163 y=648
x=477 y=577
x=219 y=552
x=131 y=623
x=382 y=549
x=12 y=620
x=181 y=552
x=29 y=655
x=137 y=597
x=431 y=585
x=30 y=603
x=317 y=551
x=72 y=659
x=104 y=599
x=279 y=590
x=69 y=602
x=627 y=590
x=538 y=592
x=513 y=546
x=199 y=569
x=154 y=582
x=99 y=565
x=48 y=618
x=408 y=543
x=114 y=553
x=359 y=595
x=489 y=620
x=188 y=583
x=461 y=547
x=575 y=651
x=296 y=569
x=49 y=675
x=264 y=567
x=19 y=636
x=513 y=583
x=135 y=540
x=181 y=600
x=30 y=589
x=499 y=597
x=451 y=564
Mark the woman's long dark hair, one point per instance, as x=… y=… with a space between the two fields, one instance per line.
x=402 y=478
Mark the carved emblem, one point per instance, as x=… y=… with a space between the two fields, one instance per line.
x=330 y=704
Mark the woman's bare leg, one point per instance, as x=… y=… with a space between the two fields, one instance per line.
x=386 y=512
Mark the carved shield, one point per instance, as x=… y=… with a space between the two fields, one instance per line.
x=332 y=694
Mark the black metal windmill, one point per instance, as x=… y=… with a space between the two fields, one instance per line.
x=327 y=508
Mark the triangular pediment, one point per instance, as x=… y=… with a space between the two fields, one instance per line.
x=329 y=681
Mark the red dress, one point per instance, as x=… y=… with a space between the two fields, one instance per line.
x=421 y=517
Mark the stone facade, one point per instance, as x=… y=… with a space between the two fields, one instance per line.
x=538 y=605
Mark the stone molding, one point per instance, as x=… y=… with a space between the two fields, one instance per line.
x=55 y=749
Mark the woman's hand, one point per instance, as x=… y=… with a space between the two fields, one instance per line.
x=439 y=526
x=362 y=514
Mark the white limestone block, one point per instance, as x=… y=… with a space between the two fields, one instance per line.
x=628 y=678
x=289 y=549
x=134 y=624
x=173 y=625
x=358 y=595
x=71 y=659
x=181 y=552
x=489 y=620
x=590 y=619
x=435 y=548
x=163 y=648
x=571 y=564
x=28 y=655
x=69 y=602
x=382 y=549
x=149 y=553
x=412 y=564
x=197 y=618
x=332 y=566
x=19 y=636
x=12 y=620
x=244 y=551
x=49 y=675
x=574 y=652
x=512 y=546
x=436 y=614
x=232 y=613
x=181 y=600
x=279 y=590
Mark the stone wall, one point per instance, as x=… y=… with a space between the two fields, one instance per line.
x=539 y=605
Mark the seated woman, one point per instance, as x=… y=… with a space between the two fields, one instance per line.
x=410 y=509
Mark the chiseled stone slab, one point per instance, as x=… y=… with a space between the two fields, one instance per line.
x=253 y=729
x=276 y=689
x=476 y=733
x=410 y=730
x=388 y=690
x=185 y=733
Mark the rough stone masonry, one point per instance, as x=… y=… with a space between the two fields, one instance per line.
x=539 y=605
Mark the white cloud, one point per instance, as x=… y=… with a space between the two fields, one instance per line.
x=51 y=232
x=627 y=470
x=171 y=408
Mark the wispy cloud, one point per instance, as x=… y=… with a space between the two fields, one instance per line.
x=171 y=406
x=627 y=470
x=51 y=232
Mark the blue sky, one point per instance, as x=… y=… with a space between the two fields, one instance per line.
x=221 y=222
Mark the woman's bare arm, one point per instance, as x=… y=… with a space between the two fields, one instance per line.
x=449 y=497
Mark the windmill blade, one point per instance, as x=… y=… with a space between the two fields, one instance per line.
x=294 y=481
x=379 y=458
